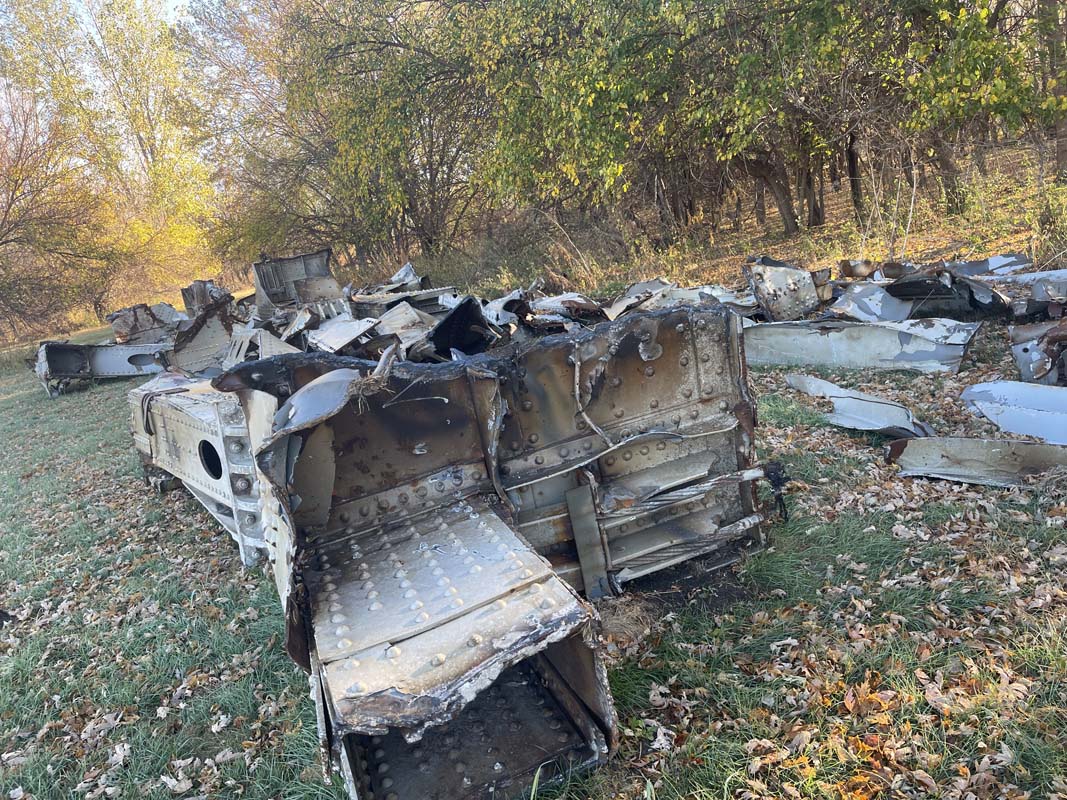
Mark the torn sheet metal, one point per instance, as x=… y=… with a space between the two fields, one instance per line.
x=417 y=607
x=868 y=301
x=198 y=295
x=251 y=344
x=59 y=365
x=939 y=292
x=640 y=410
x=201 y=345
x=1029 y=409
x=335 y=334
x=1031 y=293
x=860 y=411
x=987 y=462
x=1005 y=264
x=185 y=429
x=507 y=310
x=144 y=324
x=569 y=304
x=428 y=301
x=635 y=295
x=924 y=345
x=405 y=279
x=783 y=291
x=1040 y=351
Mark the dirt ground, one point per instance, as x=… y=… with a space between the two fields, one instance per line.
x=897 y=638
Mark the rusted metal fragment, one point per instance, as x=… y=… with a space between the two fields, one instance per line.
x=144 y=324
x=925 y=345
x=186 y=429
x=870 y=302
x=1029 y=409
x=640 y=408
x=198 y=295
x=59 y=365
x=412 y=596
x=783 y=291
x=1040 y=351
x=988 y=462
x=201 y=345
x=860 y=411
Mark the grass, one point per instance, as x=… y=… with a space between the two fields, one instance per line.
x=141 y=627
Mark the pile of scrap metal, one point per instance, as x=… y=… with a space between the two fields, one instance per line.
x=439 y=485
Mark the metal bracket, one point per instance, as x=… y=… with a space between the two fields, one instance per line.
x=592 y=554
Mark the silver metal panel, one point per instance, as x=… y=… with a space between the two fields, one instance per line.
x=989 y=462
x=1030 y=409
x=862 y=412
x=925 y=345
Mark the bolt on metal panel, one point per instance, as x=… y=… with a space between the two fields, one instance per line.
x=187 y=430
x=641 y=409
x=412 y=597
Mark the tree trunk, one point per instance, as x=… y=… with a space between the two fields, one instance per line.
x=778 y=183
x=855 y=180
x=815 y=215
x=955 y=199
x=1054 y=33
x=760 y=209
x=774 y=176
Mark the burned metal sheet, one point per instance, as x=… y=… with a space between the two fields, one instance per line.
x=644 y=411
x=940 y=292
x=925 y=345
x=409 y=596
x=1029 y=409
x=144 y=324
x=58 y=365
x=860 y=411
x=784 y=292
x=870 y=302
x=185 y=429
x=987 y=462
x=198 y=295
